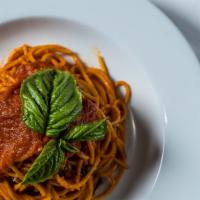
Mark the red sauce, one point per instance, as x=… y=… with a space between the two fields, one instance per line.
x=88 y=113
x=17 y=142
x=24 y=71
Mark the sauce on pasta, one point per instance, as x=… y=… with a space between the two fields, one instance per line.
x=17 y=142
x=83 y=172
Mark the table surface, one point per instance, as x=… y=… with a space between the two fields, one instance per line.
x=186 y=16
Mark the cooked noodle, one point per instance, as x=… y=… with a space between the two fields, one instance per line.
x=100 y=161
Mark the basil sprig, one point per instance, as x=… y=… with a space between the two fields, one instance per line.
x=51 y=101
x=67 y=146
x=90 y=131
x=46 y=164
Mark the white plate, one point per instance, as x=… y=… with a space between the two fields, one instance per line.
x=142 y=47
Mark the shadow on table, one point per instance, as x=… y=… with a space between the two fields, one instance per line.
x=189 y=29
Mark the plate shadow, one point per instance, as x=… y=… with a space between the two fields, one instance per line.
x=146 y=157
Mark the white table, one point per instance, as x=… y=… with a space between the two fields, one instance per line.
x=186 y=15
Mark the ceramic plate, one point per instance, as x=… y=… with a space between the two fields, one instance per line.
x=144 y=48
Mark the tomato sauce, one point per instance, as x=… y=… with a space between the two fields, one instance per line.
x=17 y=141
x=88 y=113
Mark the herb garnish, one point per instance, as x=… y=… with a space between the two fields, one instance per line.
x=51 y=101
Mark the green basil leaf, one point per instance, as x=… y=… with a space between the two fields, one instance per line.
x=68 y=147
x=50 y=101
x=46 y=164
x=91 y=131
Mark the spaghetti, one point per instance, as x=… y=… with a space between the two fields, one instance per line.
x=98 y=161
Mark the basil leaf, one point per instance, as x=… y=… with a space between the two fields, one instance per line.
x=91 y=131
x=68 y=147
x=46 y=164
x=50 y=101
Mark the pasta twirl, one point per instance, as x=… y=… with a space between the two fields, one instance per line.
x=98 y=161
